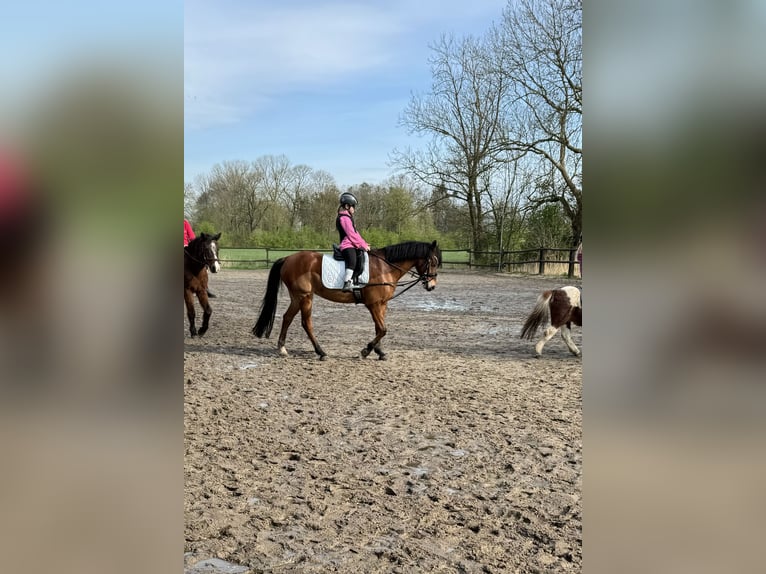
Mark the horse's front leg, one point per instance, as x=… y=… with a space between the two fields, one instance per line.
x=189 y=300
x=207 y=310
x=378 y=313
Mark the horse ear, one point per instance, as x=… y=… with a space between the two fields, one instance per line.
x=433 y=245
x=217 y=236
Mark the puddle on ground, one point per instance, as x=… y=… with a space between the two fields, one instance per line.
x=433 y=304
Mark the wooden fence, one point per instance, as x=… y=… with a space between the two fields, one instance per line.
x=541 y=260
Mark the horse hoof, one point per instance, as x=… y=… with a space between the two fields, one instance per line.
x=538 y=356
x=365 y=353
x=383 y=358
x=322 y=357
x=282 y=352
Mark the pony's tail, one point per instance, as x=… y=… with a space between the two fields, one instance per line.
x=269 y=305
x=540 y=315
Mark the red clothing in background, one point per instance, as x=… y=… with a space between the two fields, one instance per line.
x=188 y=232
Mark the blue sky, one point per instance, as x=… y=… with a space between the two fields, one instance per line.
x=321 y=82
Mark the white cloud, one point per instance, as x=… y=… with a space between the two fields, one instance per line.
x=240 y=55
x=238 y=58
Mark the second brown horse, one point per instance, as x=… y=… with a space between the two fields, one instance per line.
x=302 y=275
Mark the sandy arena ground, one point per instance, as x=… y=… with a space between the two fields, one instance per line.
x=460 y=453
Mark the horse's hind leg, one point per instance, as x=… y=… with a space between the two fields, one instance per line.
x=287 y=318
x=308 y=325
x=207 y=310
x=189 y=300
x=566 y=334
x=547 y=336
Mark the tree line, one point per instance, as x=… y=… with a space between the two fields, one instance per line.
x=500 y=167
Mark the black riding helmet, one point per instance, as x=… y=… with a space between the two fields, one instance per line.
x=348 y=199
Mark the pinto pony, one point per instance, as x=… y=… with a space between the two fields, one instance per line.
x=301 y=273
x=200 y=255
x=559 y=308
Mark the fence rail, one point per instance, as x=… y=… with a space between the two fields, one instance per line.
x=541 y=260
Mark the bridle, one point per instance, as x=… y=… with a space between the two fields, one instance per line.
x=207 y=261
x=419 y=277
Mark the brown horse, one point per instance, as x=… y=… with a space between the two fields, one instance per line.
x=302 y=274
x=200 y=255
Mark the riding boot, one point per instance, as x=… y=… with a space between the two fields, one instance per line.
x=347 y=280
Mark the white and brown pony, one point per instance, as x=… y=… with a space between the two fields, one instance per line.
x=558 y=308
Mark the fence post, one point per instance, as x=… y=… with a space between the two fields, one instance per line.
x=541 y=268
x=268 y=263
x=470 y=258
x=572 y=255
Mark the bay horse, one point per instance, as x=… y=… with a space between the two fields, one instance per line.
x=200 y=255
x=302 y=275
x=559 y=307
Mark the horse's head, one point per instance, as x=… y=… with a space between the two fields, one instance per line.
x=209 y=254
x=427 y=267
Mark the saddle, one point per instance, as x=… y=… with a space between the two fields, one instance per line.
x=337 y=254
x=334 y=268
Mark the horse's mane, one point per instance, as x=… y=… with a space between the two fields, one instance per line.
x=410 y=250
x=196 y=245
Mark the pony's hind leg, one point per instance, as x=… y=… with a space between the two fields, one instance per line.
x=190 y=313
x=547 y=336
x=566 y=334
x=308 y=325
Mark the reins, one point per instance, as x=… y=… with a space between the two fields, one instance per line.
x=204 y=262
x=406 y=284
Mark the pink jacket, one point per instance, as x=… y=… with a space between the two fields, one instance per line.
x=188 y=233
x=352 y=239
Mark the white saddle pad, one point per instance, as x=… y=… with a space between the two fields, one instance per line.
x=334 y=271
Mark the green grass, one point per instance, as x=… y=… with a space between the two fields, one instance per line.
x=454 y=257
x=251 y=258
x=256 y=257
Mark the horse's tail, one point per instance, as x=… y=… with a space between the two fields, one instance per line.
x=269 y=305
x=540 y=315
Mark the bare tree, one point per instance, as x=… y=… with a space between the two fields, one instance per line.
x=297 y=187
x=231 y=198
x=463 y=117
x=506 y=199
x=318 y=207
x=190 y=200
x=538 y=48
